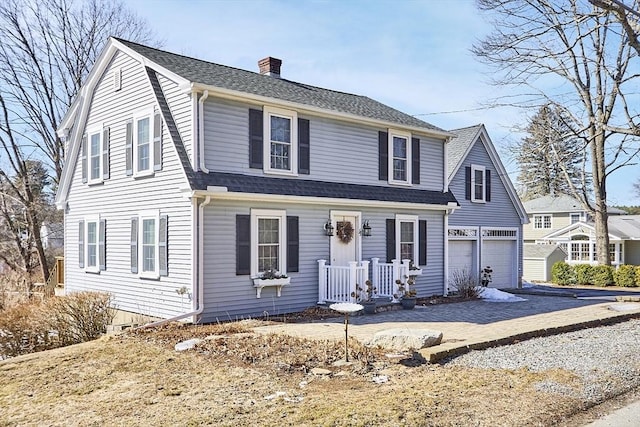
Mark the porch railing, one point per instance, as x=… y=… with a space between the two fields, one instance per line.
x=337 y=282
x=385 y=274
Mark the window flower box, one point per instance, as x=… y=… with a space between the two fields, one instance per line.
x=415 y=272
x=263 y=283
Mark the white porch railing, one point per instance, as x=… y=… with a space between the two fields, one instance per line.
x=385 y=274
x=337 y=283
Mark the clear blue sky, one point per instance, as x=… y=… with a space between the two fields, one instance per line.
x=409 y=54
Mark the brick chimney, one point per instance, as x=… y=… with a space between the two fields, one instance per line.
x=270 y=66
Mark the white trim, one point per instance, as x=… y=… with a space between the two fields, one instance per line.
x=400 y=218
x=356 y=231
x=145 y=215
x=409 y=159
x=463 y=237
x=146 y=113
x=91 y=219
x=445 y=285
x=280 y=215
x=97 y=129
x=292 y=116
x=475 y=168
x=542 y=221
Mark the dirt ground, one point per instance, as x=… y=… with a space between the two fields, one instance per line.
x=238 y=379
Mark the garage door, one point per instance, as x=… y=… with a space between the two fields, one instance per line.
x=500 y=255
x=460 y=256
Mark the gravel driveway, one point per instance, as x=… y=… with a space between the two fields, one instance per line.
x=606 y=359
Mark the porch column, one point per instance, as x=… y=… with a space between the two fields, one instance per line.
x=322 y=281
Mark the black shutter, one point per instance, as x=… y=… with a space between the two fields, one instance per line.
x=467 y=182
x=391 y=239
x=163 y=253
x=303 y=147
x=102 y=245
x=243 y=244
x=415 y=165
x=134 y=244
x=129 y=149
x=83 y=147
x=105 y=153
x=81 y=244
x=255 y=139
x=293 y=245
x=157 y=141
x=422 y=242
x=383 y=156
x=487 y=177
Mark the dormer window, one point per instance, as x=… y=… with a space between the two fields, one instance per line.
x=281 y=136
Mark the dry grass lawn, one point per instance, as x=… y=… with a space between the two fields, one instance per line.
x=240 y=379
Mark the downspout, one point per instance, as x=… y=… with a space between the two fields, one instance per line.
x=203 y=98
x=445 y=291
x=198 y=281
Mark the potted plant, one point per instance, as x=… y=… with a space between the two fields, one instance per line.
x=364 y=296
x=406 y=294
x=270 y=277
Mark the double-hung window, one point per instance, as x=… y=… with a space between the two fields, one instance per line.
x=542 y=222
x=478 y=184
x=281 y=137
x=94 y=154
x=149 y=245
x=400 y=156
x=91 y=244
x=143 y=143
x=577 y=217
x=268 y=241
x=407 y=237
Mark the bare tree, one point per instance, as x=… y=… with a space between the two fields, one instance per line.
x=627 y=14
x=47 y=49
x=574 y=55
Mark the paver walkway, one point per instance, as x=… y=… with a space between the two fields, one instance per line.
x=472 y=324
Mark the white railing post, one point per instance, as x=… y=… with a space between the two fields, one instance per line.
x=322 y=281
x=405 y=268
x=353 y=277
x=396 y=275
x=375 y=273
x=365 y=272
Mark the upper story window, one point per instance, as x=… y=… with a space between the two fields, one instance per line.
x=400 y=157
x=577 y=217
x=142 y=143
x=407 y=237
x=281 y=141
x=95 y=155
x=542 y=221
x=268 y=241
x=478 y=183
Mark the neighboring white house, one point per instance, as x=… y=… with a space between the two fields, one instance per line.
x=487 y=230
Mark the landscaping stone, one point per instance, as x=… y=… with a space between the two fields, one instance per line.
x=406 y=339
x=320 y=371
x=625 y=306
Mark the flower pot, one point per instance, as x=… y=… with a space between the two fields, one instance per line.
x=408 y=303
x=369 y=307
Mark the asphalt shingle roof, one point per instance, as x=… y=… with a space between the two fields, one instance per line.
x=532 y=250
x=458 y=146
x=300 y=187
x=560 y=203
x=225 y=77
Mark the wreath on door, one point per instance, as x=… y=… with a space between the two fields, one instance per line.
x=344 y=231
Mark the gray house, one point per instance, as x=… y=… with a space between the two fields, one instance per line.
x=487 y=230
x=196 y=190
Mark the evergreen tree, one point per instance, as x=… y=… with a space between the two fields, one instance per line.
x=550 y=157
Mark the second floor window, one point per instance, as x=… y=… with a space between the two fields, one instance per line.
x=143 y=148
x=478 y=183
x=542 y=221
x=400 y=157
x=281 y=148
x=95 y=157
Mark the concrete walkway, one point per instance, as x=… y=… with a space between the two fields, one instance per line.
x=473 y=324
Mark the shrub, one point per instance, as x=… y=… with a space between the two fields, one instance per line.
x=603 y=275
x=584 y=274
x=23 y=329
x=625 y=276
x=464 y=283
x=638 y=276
x=562 y=274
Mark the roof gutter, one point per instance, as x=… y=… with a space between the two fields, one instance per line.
x=198 y=281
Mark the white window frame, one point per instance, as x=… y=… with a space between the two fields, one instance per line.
x=293 y=148
x=581 y=217
x=280 y=215
x=141 y=115
x=94 y=130
x=412 y=219
x=393 y=133
x=542 y=222
x=87 y=220
x=155 y=273
x=474 y=169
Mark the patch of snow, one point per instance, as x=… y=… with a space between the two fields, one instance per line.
x=496 y=295
x=380 y=379
x=187 y=345
x=624 y=306
x=526 y=284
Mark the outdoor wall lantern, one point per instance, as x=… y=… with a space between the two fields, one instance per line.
x=366 y=229
x=328 y=228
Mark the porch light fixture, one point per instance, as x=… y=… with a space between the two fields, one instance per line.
x=366 y=229
x=328 y=228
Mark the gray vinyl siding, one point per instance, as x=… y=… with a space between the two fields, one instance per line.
x=228 y=296
x=499 y=212
x=180 y=106
x=632 y=252
x=336 y=147
x=122 y=197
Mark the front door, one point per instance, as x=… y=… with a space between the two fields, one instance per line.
x=344 y=243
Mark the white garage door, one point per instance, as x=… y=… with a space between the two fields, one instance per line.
x=460 y=256
x=500 y=255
